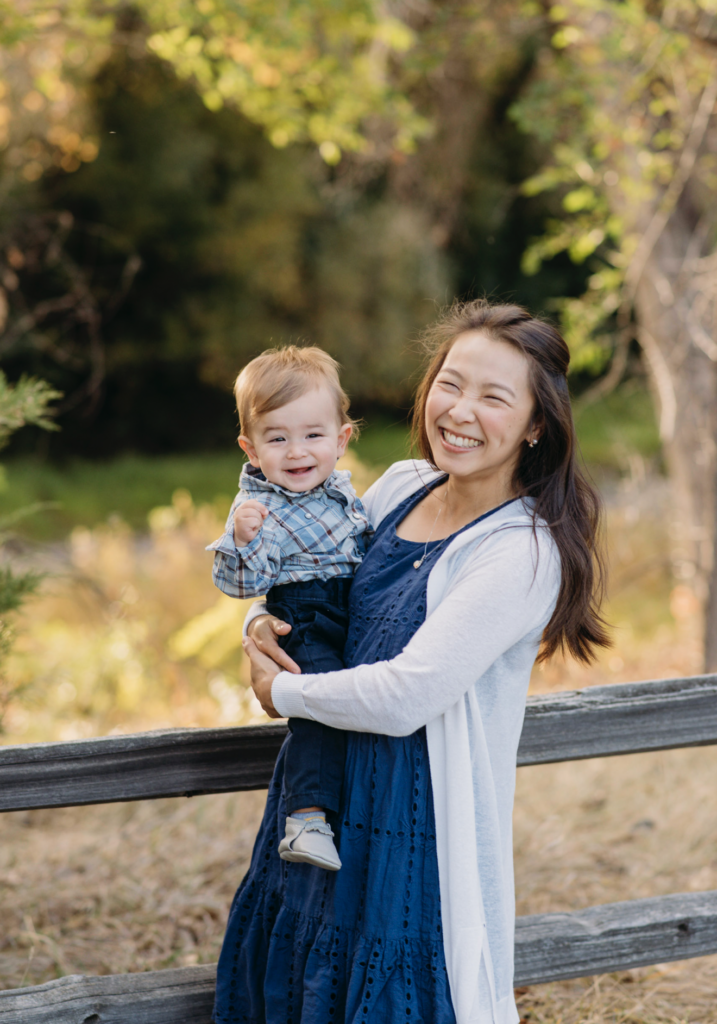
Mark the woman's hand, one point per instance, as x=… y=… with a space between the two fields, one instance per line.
x=264 y=630
x=267 y=658
x=263 y=673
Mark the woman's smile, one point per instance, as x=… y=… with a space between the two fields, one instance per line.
x=452 y=440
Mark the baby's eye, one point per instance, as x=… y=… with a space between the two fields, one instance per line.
x=315 y=435
x=273 y=440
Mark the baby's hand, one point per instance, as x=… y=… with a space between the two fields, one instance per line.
x=248 y=520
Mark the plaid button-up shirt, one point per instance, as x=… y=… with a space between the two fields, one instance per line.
x=306 y=536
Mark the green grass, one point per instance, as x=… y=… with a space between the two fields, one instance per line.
x=383 y=440
x=87 y=493
x=619 y=427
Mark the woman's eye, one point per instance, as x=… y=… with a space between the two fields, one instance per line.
x=447 y=384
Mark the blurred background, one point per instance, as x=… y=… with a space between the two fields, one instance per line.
x=183 y=184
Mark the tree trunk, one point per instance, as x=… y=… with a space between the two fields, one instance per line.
x=675 y=314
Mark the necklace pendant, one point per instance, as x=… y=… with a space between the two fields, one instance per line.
x=417 y=563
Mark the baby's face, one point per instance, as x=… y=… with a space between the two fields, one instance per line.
x=298 y=445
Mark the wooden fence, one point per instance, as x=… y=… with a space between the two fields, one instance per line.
x=596 y=722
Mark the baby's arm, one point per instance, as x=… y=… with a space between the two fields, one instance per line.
x=251 y=568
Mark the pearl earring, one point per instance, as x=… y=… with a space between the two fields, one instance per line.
x=532 y=443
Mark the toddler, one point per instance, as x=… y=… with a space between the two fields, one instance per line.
x=297 y=532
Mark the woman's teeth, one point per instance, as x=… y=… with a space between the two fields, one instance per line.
x=460 y=442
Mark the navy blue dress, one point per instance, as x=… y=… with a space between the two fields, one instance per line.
x=362 y=945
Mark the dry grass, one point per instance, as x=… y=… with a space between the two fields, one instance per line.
x=129 y=634
x=128 y=887
x=617 y=829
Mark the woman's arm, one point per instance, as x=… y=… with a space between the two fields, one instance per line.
x=499 y=601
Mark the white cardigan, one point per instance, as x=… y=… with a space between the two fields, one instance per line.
x=464 y=675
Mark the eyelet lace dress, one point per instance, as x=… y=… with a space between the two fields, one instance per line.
x=362 y=945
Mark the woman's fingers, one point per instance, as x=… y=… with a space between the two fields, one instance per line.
x=263 y=672
x=264 y=630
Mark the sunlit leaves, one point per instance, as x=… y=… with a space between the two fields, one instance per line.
x=27 y=402
x=580 y=199
x=614 y=101
x=302 y=71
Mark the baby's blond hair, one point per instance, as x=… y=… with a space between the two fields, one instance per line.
x=281 y=375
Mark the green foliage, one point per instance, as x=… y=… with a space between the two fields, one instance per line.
x=14 y=588
x=304 y=72
x=24 y=403
x=616 y=104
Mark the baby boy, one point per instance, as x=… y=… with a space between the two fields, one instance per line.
x=297 y=532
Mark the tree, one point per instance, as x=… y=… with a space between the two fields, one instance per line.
x=624 y=99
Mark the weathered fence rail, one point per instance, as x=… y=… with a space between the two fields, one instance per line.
x=612 y=937
x=596 y=722
x=600 y=721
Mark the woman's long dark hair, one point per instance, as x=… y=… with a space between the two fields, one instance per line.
x=548 y=473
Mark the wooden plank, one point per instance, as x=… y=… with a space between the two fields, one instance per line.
x=183 y=996
x=548 y=947
x=594 y=722
x=173 y=762
x=614 y=936
x=625 y=718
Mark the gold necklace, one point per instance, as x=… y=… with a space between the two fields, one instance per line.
x=419 y=561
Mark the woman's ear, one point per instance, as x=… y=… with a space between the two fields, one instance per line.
x=535 y=430
x=344 y=438
x=249 y=450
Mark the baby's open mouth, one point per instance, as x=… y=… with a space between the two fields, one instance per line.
x=300 y=470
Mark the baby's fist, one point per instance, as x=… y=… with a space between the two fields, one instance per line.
x=248 y=520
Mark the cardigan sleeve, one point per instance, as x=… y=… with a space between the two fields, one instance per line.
x=501 y=598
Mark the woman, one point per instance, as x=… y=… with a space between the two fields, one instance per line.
x=484 y=558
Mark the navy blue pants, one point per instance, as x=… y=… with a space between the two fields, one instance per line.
x=317 y=611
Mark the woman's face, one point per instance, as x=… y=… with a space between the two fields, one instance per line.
x=479 y=410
